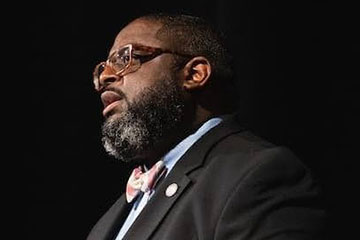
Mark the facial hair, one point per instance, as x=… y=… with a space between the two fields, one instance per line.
x=157 y=112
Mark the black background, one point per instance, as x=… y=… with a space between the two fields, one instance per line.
x=296 y=64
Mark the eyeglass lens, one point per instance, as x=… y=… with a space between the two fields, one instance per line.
x=118 y=61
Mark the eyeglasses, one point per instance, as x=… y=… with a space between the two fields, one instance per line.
x=129 y=59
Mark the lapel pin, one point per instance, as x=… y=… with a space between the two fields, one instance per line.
x=171 y=190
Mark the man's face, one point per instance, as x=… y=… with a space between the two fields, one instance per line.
x=142 y=107
x=133 y=84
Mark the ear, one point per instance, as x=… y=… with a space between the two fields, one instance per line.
x=196 y=72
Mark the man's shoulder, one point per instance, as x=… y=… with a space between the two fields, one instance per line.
x=244 y=150
x=231 y=137
x=230 y=149
x=244 y=141
x=247 y=148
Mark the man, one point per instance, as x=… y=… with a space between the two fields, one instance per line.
x=166 y=88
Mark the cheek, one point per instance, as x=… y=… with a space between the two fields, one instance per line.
x=147 y=76
x=139 y=80
x=134 y=84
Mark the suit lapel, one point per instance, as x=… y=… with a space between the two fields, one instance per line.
x=157 y=208
x=149 y=218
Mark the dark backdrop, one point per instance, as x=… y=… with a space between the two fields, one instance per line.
x=296 y=65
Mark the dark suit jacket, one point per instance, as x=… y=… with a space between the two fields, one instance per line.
x=232 y=185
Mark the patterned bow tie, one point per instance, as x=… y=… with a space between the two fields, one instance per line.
x=143 y=181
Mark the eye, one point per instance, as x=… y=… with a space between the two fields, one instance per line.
x=121 y=58
x=124 y=59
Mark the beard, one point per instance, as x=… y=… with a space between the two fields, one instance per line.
x=157 y=112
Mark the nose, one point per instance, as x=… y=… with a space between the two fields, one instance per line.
x=107 y=76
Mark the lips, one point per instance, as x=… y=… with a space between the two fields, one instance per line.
x=110 y=100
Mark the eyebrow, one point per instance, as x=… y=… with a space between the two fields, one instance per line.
x=134 y=44
x=116 y=49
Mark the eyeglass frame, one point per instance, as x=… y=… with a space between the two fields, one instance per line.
x=154 y=52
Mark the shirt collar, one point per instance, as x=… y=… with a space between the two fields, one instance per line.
x=179 y=150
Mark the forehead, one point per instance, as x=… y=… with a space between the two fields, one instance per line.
x=139 y=31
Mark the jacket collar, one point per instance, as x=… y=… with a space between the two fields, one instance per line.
x=149 y=219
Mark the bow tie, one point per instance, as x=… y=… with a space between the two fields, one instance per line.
x=144 y=181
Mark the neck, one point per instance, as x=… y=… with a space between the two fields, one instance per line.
x=186 y=128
